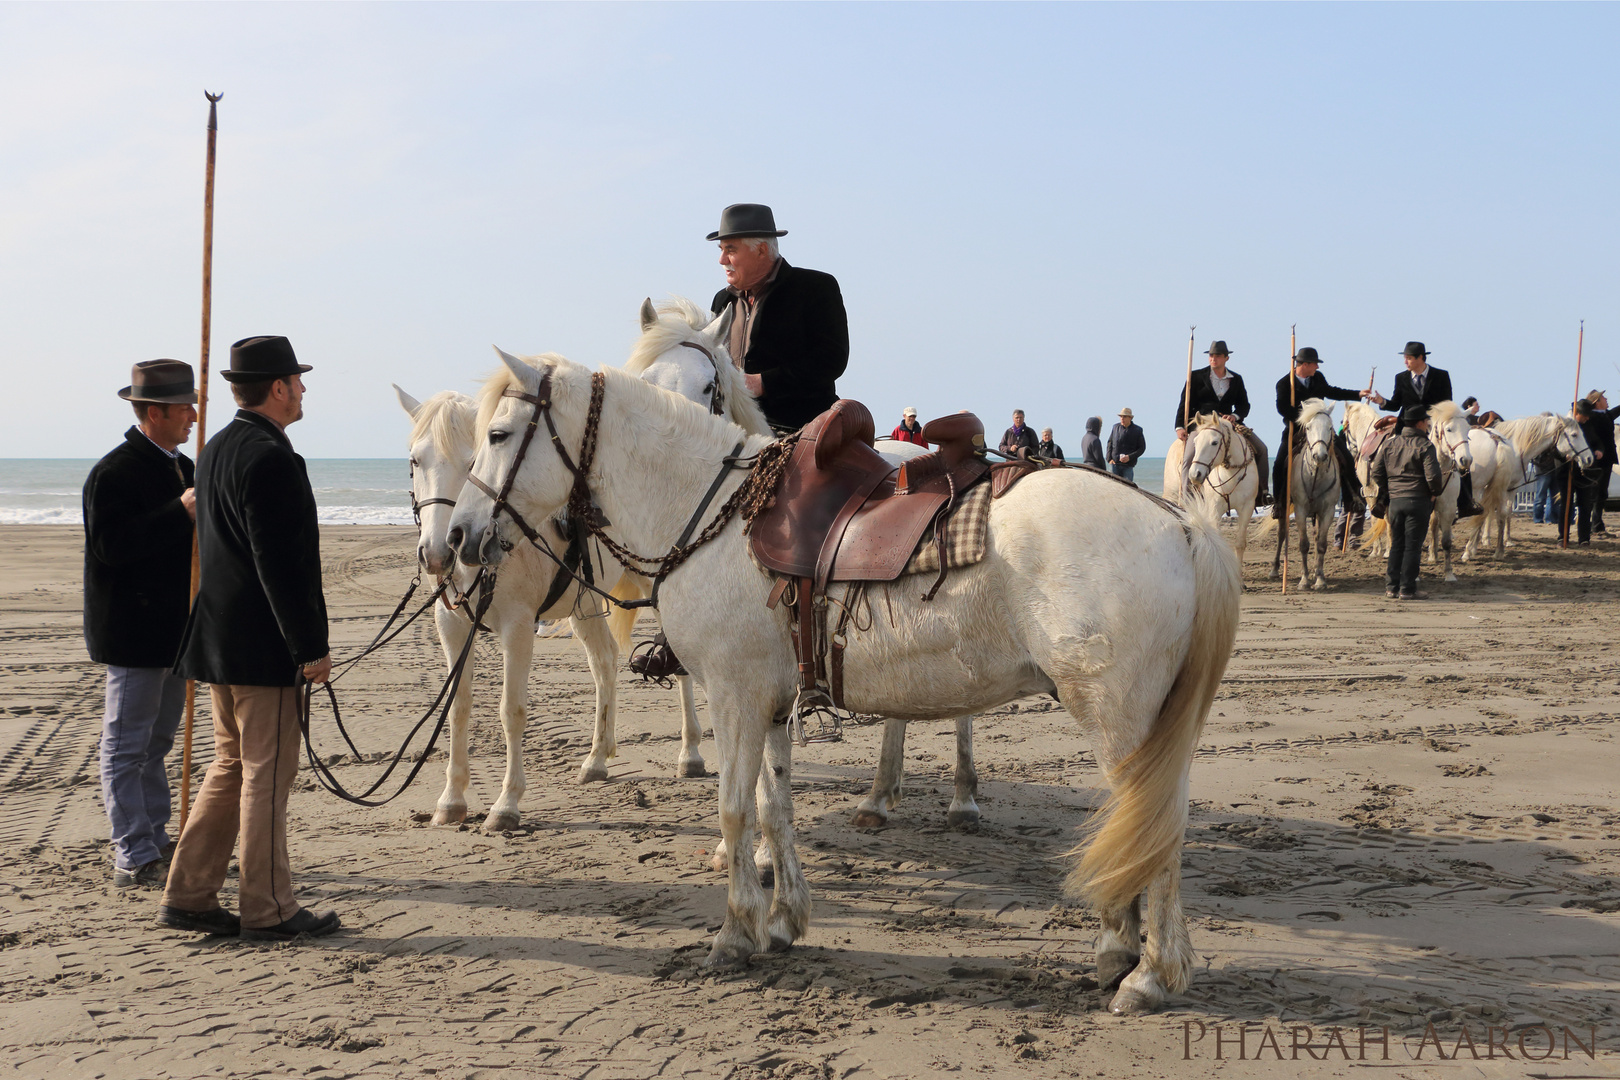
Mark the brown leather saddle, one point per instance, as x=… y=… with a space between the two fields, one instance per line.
x=1489 y=419
x=1375 y=438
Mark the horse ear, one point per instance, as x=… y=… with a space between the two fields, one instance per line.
x=518 y=368
x=410 y=404
x=649 y=317
x=719 y=331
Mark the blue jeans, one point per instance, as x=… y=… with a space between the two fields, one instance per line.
x=1127 y=472
x=1541 y=511
x=143 y=711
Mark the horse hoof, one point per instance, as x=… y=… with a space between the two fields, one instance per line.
x=726 y=958
x=505 y=821
x=868 y=819
x=691 y=770
x=767 y=877
x=1112 y=967
x=1319 y=586
x=719 y=864
x=1132 y=1003
x=589 y=773
x=966 y=820
x=780 y=941
x=450 y=815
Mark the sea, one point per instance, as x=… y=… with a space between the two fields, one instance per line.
x=348 y=491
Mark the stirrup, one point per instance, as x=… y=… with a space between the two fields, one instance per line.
x=817 y=705
x=657 y=664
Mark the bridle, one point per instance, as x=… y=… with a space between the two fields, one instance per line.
x=1223 y=457
x=717 y=401
x=416 y=506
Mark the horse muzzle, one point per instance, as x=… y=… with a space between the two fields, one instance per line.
x=477 y=549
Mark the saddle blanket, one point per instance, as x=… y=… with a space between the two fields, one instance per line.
x=965 y=530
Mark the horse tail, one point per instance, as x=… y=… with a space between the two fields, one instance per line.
x=621 y=621
x=1267 y=527
x=1139 y=831
x=1379 y=528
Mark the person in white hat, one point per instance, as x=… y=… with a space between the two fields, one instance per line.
x=1126 y=445
x=908 y=430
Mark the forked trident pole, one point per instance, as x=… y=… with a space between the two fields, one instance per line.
x=1186 y=411
x=202 y=424
x=1569 y=488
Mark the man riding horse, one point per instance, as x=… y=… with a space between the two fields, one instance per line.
x=1310 y=383
x=1424 y=384
x=1219 y=390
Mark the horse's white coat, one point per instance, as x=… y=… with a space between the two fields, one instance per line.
x=1223 y=466
x=1509 y=447
x=1314 y=491
x=1126 y=610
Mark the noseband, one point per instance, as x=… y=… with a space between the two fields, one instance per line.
x=416 y=506
x=717 y=402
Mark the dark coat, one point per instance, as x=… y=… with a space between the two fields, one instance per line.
x=1204 y=399
x=1091 y=451
x=1317 y=387
x=137 y=555
x=259 y=613
x=1127 y=441
x=800 y=344
x=1406 y=467
x=1049 y=451
x=1599 y=432
x=1014 y=440
x=1436 y=388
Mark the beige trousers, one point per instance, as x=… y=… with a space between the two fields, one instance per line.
x=243 y=796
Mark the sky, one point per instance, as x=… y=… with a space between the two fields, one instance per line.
x=1025 y=205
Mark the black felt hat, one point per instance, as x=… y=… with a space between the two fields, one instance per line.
x=162 y=382
x=746 y=219
x=1217 y=348
x=263 y=358
x=1307 y=355
x=1414 y=348
x=1413 y=414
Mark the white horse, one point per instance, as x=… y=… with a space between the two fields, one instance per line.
x=1224 y=468
x=1314 y=491
x=1125 y=609
x=1510 y=446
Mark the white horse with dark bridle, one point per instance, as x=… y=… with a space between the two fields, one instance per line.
x=1508 y=448
x=1224 y=470
x=1122 y=607
x=1314 y=491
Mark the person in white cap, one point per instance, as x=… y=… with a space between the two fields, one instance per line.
x=908 y=430
x=1126 y=445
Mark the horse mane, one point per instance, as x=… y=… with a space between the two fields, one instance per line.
x=1442 y=413
x=1526 y=431
x=500 y=380
x=1210 y=420
x=446 y=417
x=1311 y=408
x=680 y=320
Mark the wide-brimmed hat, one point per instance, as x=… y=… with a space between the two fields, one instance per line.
x=746 y=219
x=1307 y=355
x=266 y=357
x=1413 y=413
x=162 y=382
x=1595 y=396
x=1414 y=348
x=1126 y=414
x=1217 y=348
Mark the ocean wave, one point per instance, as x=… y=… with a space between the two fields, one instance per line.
x=326 y=515
x=54 y=515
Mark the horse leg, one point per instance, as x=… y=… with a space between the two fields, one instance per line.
x=741 y=743
x=603 y=656
x=690 y=763
x=1324 y=532
x=789 y=916
x=1304 y=547
x=1119 y=944
x=1282 y=538
x=453 y=631
x=964 y=811
x=1167 y=956
x=1443 y=534
x=517 y=648
x=873 y=811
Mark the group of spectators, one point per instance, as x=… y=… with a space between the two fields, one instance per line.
x=1125 y=446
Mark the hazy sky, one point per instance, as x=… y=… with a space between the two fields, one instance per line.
x=1025 y=205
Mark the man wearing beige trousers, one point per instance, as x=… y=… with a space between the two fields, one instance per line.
x=258 y=620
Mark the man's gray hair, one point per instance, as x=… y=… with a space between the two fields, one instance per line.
x=755 y=241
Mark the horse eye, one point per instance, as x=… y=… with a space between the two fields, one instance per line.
x=497 y=437
x=415 y=464
x=709 y=389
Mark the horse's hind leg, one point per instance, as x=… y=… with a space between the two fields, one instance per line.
x=603 y=656
x=741 y=744
x=690 y=763
x=964 y=811
x=518 y=650
x=452 y=806
x=1119 y=944
x=873 y=811
x=1167 y=956
x=789 y=917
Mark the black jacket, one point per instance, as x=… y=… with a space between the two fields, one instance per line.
x=1204 y=399
x=1049 y=451
x=1317 y=387
x=1436 y=388
x=800 y=344
x=1127 y=441
x=1013 y=441
x=259 y=613
x=1599 y=433
x=1091 y=451
x=137 y=555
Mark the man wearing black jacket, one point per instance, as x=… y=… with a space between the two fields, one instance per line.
x=1424 y=384
x=258 y=622
x=1219 y=390
x=138 y=511
x=1308 y=383
x=789 y=332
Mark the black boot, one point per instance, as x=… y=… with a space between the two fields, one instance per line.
x=1466 y=506
x=658 y=662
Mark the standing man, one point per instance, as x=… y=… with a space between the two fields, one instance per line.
x=1047 y=450
x=1126 y=444
x=138 y=511
x=1018 y=441
x=1590 y=486
x=789 y=332
x=258 y=622
x=1603 y=453
x=1308 y=383
x=908 y=430
x=1424 y=384
x=1091 y=446
x=1407 y=475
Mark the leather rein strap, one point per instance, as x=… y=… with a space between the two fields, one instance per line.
x=717 y=400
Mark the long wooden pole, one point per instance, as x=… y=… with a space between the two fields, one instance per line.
x=1344 y=546
x=202 y=423
x=1288 y=474
x=1569 y=488
x=1186 y=409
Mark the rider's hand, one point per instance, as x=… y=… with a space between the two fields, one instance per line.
x=1181 y=433
x=188 y=499
x=320 y=670
x=755 y=384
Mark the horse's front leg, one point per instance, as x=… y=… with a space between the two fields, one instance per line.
x=1119 y=944
x=789 y=917
x=1443 y=534
x=873 y=811
x=690 y=763
x=1167 y=956
x=1324 y=532
x=964 y=811
x=741 y=743
x=517 y=647
x=603 y=656
x=1282 y=541
x=453 y=633
x=1304 y=548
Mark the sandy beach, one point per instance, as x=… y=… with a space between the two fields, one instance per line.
x=1403 y=819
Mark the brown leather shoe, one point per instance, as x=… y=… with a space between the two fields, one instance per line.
x=658 y=662
x=305 y=922
x=1414 y=596
x=218 y=922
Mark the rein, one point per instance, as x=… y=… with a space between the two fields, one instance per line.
x=717 y=401
x=1225 y=454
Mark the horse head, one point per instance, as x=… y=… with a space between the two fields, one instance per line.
x=1449 y=431
x=1208 y=444
x=685 y=352
x=1572 y=442
x=441 y=452
x=1316 y=418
